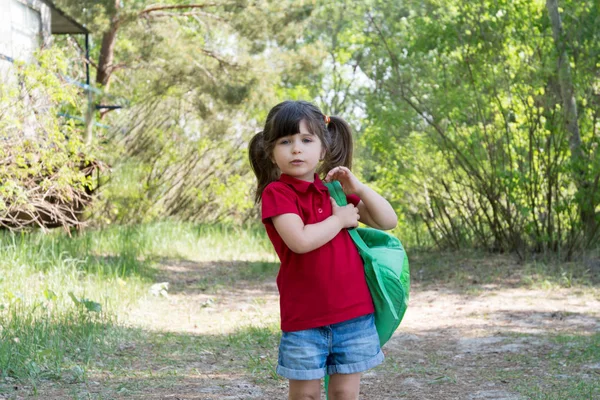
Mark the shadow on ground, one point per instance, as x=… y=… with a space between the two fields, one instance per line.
x=471 y=271
x=207 y=277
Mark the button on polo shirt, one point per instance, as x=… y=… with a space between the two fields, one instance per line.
x=324 y=286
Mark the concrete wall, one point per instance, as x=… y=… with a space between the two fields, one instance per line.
x=24 y=27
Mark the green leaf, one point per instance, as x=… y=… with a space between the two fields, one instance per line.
x=49 y=294
x=92 y=306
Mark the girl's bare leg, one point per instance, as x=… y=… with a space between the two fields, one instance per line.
x=344 y=386
x=305 y=390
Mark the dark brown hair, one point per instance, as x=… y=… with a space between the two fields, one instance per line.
x=283 y=120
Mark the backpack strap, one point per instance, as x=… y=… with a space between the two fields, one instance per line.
x=336 y=191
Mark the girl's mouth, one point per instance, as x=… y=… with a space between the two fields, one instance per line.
x=297 y=162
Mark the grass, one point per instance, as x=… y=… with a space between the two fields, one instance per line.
x=61 y=297
x=57 y=297
x=571 y=369
x=248 y=348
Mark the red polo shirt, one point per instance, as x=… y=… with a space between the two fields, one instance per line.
x=324 y=286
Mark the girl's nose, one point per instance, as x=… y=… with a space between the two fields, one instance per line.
x=295 y=148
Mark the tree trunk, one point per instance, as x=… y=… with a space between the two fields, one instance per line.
x=567 y=91
x=107 y=54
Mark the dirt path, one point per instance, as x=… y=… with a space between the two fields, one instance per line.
x=453 y=346
x=450 y=345
x=214 y=336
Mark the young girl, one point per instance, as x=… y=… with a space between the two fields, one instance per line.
x=326 y=308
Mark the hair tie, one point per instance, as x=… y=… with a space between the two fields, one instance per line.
x=327 y=119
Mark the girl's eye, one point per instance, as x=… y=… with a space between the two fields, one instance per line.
x=307 y=140
x=285 y=141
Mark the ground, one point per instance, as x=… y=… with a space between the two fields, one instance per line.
x=213 y=335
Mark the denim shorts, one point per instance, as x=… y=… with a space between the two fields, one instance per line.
x=344 y=348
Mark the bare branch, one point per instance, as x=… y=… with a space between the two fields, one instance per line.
x=187 y=14
x=74 y=42
x=181 y=7
x=221 y=61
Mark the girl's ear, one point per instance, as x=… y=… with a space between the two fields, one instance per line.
x=322 y=156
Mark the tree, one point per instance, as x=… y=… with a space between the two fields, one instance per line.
x=464 y=124
x=586 y=196
x=199 y=78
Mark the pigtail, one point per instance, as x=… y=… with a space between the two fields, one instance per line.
x=264 y=169
x=339 y=147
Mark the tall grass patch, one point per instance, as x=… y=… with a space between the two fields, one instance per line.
x=209 y=242
x=64 y=299
x=60 y=297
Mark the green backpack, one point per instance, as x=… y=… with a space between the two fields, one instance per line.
x=386 y=270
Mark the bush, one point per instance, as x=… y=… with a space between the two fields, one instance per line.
x=45 y=170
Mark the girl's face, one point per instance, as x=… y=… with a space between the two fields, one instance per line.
x=299 y=153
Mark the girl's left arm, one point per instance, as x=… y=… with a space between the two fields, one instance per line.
x=374 y=210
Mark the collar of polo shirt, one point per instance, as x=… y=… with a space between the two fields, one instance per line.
x=302 y=186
